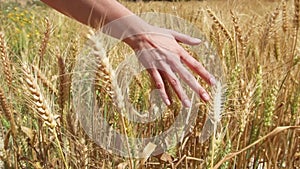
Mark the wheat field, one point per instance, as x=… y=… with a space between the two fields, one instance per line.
x=256 y=41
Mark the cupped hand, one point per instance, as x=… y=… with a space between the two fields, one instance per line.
x=160 y=53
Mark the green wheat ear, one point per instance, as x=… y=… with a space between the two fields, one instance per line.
x=215 y=112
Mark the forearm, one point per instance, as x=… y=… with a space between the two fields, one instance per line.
x=90 y=12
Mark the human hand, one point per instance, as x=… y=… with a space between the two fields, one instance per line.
x=159 y=51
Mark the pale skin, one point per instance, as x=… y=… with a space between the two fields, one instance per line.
x=94 y=12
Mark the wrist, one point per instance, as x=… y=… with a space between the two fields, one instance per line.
x=128 y=29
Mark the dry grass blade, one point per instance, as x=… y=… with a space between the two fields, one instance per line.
x=150 y=147
x=272 y=133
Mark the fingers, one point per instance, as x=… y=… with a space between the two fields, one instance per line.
x=167 y=73
x=159 y=85
x=185 y=38
x=197 y=67
x=190 y=80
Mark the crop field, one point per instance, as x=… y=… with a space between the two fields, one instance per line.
x=255 y=112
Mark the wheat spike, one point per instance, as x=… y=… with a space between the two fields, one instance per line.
x=40 y=104
x=215 y=112
x=41 y=107
x=237 y=28
x=5 y=60
x=271 y=26
x=64 y=83
x=269 y=29
x=277 y=47
x=6 y=108
x=297 y=13
x=285 y=24
x=118 y=97
x=103 y=80
x=238 y=33
x=44 y=42
x=46 y=83
x=251 y=27
x=220 y=25
x=109 y=73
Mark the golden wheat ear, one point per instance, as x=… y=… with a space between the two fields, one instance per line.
x=5 y=59
x=41 y=106
x=215 y=112
x=219 y=25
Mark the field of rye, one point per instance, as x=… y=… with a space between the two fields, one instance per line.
x=257 y=42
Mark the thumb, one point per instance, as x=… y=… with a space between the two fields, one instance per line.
x=185 y=38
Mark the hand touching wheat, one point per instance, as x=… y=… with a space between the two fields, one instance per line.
x=158 y=49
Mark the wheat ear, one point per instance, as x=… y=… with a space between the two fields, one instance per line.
x=109 y=73
x=5 y=60
x=6 y=108
x=215 y=112
x=296 y=25
x=285 y=24
x=64 y=86
x=220 y=25
x=297 y=14
x=44 y=42
x=41 y=106
x=239 y=38
x=45 y=81
x=118 y=97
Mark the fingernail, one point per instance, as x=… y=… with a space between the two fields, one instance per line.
x=168 y=102
x=196 y=40
x=212 y=80
x=205 y=96
x=187 y=103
